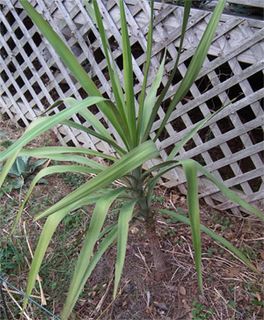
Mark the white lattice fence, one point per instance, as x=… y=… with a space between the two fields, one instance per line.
x=230 y=146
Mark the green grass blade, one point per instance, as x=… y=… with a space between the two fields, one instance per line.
x=40 y=125
x=187 y=8
x=43 y=173
x=91 y=132
x=194 y=213
x=92 y=236
x=43 y=151
x=219 y=239
x=125 y=216
x=126 y=164
x=104 y=245
x=142 y=95
x=196 y=63
x=128 y=75
x=231 y=195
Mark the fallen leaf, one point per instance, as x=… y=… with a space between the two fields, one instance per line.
x=232 y=272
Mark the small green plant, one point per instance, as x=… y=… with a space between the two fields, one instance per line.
x=10 y=257
x=22 y=168
x=74 y=180
x=201 y=312
x=132 y=119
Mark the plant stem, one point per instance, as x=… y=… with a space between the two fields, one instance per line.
x=148 y=214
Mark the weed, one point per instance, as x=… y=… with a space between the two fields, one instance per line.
x=201 y=312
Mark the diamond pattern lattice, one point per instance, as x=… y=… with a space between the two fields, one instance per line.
x=230 y=146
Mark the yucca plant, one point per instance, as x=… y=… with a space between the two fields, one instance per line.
x=132 y=119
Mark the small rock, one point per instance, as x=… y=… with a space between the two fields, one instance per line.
x=182 y=291
x=134 y=230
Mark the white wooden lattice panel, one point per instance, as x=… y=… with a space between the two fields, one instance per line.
x=230 y=146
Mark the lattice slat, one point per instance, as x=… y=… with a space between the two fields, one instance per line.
x=230 y=146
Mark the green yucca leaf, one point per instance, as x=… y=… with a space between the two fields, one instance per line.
x=75 y=158
x=188 y=136
x=151 y=183
x=7 y=167
x=187 y=8
x=151 y=98
x=194 y=213
x=98 y=126
x=48 y=230
x=62 y=49
x=128 y=75
x=126 y=164
x=43 y=151
x=125 y=216
x=191 y=133
x=76 y=69
x=43 y=173
x=44 y=240
x=92 y=236
x=116 y=86
x=231 y=195
x=91 y=132
x=40 y=125
x=142 y=95
x=196 y=63
x=104 y=245
x=237 y=253
x=90 y=10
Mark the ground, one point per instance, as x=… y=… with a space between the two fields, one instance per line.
x=231 y=290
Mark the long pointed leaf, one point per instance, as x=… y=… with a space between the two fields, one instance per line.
x=196 y=63
x=116 y=86
x=104 y=245
x=126 y=164
x=237 y=253
x=194 y=213
x=76 y=69
x=44 y=240
x=151 y=98
x=187 y=9
x=125 y=216
x=40 y=125
x=231 y=195
x=142 y=95
x=93 y=133
x=43 y=151
x=43 y=173
x=128 y=75
x=92 y=236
